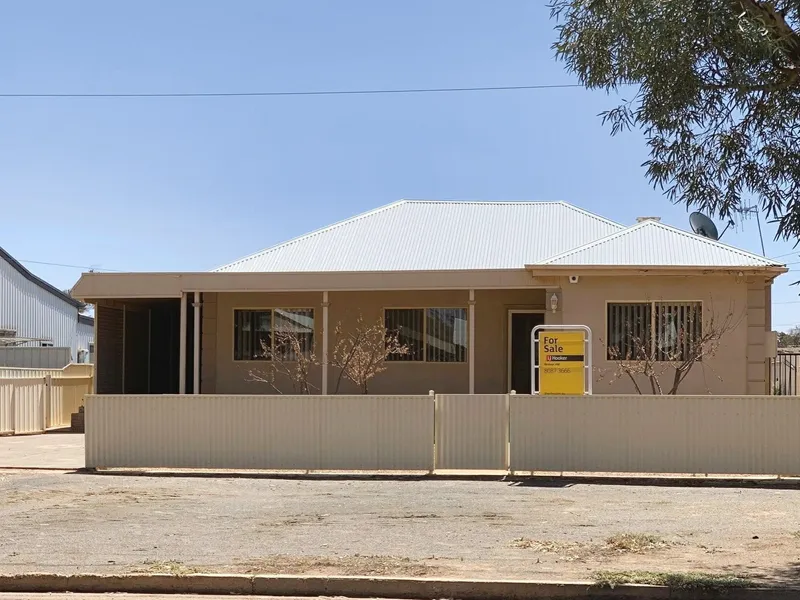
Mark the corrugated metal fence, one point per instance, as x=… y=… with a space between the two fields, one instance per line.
x=35 y=400
x=472 y=432
x=372 y=433
x=34 y=357
x=783 y=371
x=640 y=434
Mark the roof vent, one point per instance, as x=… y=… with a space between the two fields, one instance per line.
x=643 y=219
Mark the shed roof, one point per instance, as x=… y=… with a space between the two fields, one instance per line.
x=423 y=235
x=654 y=244
x=38 y=280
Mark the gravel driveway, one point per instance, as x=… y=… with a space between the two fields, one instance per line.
x=69 y=523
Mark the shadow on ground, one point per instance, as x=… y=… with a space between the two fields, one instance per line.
x=512 y=481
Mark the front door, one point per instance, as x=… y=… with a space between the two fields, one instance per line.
x=520 y=326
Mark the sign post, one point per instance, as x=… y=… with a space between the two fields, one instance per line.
x=564 y=364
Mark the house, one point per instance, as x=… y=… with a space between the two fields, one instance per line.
x=463 y=282
x=34 y=313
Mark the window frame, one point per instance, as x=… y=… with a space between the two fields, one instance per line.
x=653 y=321
x=271 y=310
x=424 y=351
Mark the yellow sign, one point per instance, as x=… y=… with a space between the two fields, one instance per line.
x=562 y=362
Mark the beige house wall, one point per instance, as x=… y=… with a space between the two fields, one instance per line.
x=221 y=374
x=738 y=367
x=208 y=344
x=412 y=377
x=735 y=369
x=235 y=377
x=491 y=334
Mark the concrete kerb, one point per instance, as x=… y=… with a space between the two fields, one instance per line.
x=360 y=587
x=538 y=479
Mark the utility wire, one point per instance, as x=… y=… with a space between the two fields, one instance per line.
x=39 y=262
x=503 y=88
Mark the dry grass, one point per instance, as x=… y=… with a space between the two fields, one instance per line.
x=688 y=580
x=567 y=551
x=337 y=565
x=635 y=543
x=169 y=567
x=622 y=543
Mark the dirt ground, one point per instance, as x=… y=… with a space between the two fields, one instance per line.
x=534 y=529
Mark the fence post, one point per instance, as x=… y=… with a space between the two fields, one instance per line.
x=432 y=394
x=508 y=431
x=14 y=408
x=48 y=381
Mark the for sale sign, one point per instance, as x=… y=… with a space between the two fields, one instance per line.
x=562 y=362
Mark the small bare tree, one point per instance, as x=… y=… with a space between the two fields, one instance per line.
x=361 y=353
x=290 y=360
x=646 y=357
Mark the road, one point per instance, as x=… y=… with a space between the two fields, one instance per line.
x=80 y=523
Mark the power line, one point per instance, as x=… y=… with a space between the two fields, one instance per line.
x=503 y=88
x=50 y=264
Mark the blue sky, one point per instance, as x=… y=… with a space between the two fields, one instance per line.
x=189 y=184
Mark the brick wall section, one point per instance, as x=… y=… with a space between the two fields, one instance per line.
x=208 y=346
x=757 y=327
x=136 y=350
x=109 y=350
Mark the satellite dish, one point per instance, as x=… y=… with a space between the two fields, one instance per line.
x=702 y=225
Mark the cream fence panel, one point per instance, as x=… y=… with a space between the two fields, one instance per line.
x=34 y=400
x=260 y=432
x=472 y=432
x=23 y=405
x=66 y=397
x=652 y=434
x=6 y=406
x=14 y=373
x=71 y=370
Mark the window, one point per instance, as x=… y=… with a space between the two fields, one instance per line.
x=679 y=329
x=409 y=325
x=431 y=334
x=264 y=334
x=629 y=331
x=665 y=331
x=47 y=344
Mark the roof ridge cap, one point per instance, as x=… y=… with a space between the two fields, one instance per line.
x=587 y=213
x=666 y=227
x=597 y=242
x=311 y=234
x=493 y=202
x=714 y=242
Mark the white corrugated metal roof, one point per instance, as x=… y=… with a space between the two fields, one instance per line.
x=419 y=235
x=652 y=244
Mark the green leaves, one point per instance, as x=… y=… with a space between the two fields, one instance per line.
x=718 y=94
